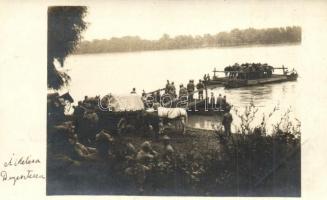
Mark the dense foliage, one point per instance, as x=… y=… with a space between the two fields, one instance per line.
x=235 y=37
x=65 y=25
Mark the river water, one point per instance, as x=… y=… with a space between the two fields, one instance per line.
x=118 y=73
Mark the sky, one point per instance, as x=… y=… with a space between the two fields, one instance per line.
x=151 y=19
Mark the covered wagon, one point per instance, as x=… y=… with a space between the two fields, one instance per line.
x=121 y=111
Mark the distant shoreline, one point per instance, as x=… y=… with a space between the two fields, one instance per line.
x=193 y=48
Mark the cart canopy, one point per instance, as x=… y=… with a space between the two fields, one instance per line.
x=120 y=103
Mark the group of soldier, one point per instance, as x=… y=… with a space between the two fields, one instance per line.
x=187 y=91
x=249 y=71
x=108 y=151
x=171 y=91
x=219 y=103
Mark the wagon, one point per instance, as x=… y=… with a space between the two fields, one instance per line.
x=120 y=111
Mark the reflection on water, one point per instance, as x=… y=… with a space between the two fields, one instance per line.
x=100 y=74
x=264 y=97
x=204 y=122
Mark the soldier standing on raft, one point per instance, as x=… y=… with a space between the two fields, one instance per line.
x=219 y=102
x=224 y=103
x=182 y=91
x=167 y=88
x=190 y=90
x=212 y=101
x=173 y=90
x=200 y=88
x=158 y=97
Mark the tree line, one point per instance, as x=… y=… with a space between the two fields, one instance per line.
x=235 y=37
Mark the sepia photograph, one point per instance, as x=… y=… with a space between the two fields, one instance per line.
x=174 y=98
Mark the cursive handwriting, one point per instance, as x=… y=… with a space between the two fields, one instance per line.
x=28 y=175
x=21 y=160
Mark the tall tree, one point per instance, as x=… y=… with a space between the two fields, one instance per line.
x=65 y=25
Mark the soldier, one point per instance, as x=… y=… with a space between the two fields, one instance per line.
x=227 y=121
x=212 y=101
x=143 y=93
x=190 y=90
x=168 y=149
x=224 y=103
x=103 y=142
x=200 y=88
x=144 y=158
x=130 y=151
x=103 y=151
x=167 y=88
x=82 y=151
x=173 y=90
x=133 y=91
x=158 y=97
x=219 y=102
x=182 y=91
x=86 y=98
x=78 y=114
x=146 y=154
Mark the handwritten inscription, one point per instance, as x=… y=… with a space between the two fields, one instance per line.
x=21 y=160
x=16 y=161
x=14 y=178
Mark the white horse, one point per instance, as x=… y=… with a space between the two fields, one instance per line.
x=179 y=114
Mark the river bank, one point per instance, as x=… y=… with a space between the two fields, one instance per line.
x=196 y=48
x=205 y=163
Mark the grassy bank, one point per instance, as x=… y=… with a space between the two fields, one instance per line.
x=251 y=162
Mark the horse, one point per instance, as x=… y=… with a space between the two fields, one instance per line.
x=178 y=115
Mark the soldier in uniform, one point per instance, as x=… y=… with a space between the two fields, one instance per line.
x=146 y=153
x=219 y=102
x=78 y=114
x=212 y=100
x=200 y=88
x=168 y=149
x=190 y=90
x=144 y=158
x=167 y=88
x=143 y=93
x=133 y=91
x=182 y=91
x=173 y=90
x=157 y=97
x=227 y=121
x=224 y=103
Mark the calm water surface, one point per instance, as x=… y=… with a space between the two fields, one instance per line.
x=118 y=73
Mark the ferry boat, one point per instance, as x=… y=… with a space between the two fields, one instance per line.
x=250 y=75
